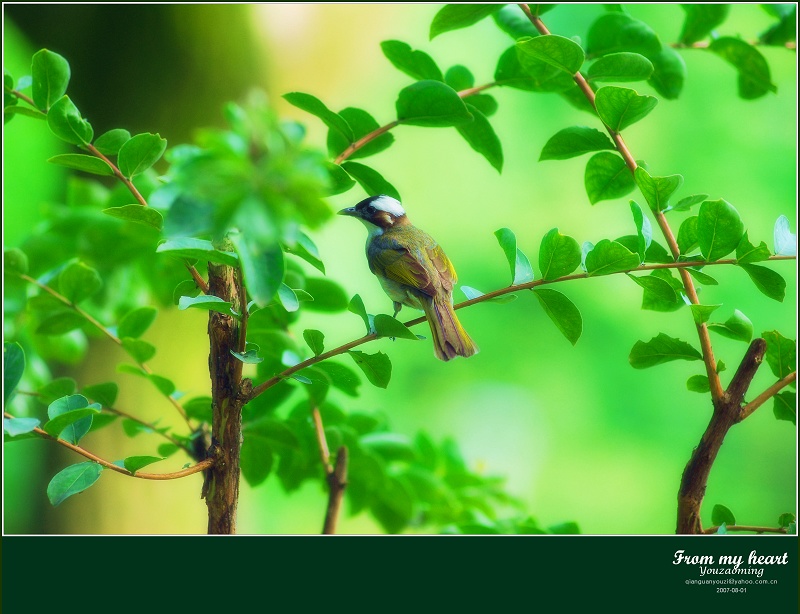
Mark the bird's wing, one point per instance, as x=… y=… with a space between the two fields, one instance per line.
x=442 y=264
x=401 y=266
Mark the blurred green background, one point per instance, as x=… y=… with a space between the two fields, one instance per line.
x=577 y=432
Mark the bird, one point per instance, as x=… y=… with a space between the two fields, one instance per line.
x=413 y=270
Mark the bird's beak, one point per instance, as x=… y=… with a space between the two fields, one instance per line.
x=348 y=211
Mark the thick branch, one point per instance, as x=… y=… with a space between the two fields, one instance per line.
x=337 y=482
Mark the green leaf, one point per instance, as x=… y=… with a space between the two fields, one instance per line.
x=250 y=356
x=387 y=326
x=133 y=428
x=11 y=111
x=784 y=407
x=615 y=32
x=459 y=78
x=669 y=73
x=65 y=121
x=644 y=230
x=472 y=293
x=208 y=303
x=138 y=214
x=521 y=270
x=722 y=515
x=362 y=124
x=342 y=377
x=105 y=394
x=377 y=367
x=661 y=349
x=72 y=480
x=511 y=20
x=562 y=312
x=390 y=446
x=700 y=20
x=134 y=463
x=574 y=141
x=50 y=75
x=87 y=164
x=139 y=350
x=738 y=327
x=702 y=277
x=328 y=295
x=754 y=77
x=687 y=235
x=413 y=62
x=339 y=180
x=432 y=104
x=480 y=135
x=562 y=53
x=784 y=520
x=288 y=298
x=315 y=340
x=57 y=388
x=606 y=177
x=136 y=322
x=70 y=417
x=785 y=240
x=767 y=281
x=785 y=30
x=60 y=323
x=559 y=255
x=13 y=427
x=393 y=506
x=199 y=408
x=262 y=265
x=698 y=383
x=456 y=16
x=78 y=282
x=619 y=107
x=140 y=153
x=356 y=306
x=15 y=261
x=109 y=143
x=656 y=297
x=684 y=204
x=658 y=289
x=719 y=229
x=188 y=287
x=13 y=367
x=371 y=180
x=781 y=353
x=164 y=385
x=610 y=257
x=657 y=190
x=306 y=249
x=316 y=107
x=702 y=313
x=186 y=247
x=256 y=458
x=746 y=252
x=622 y=66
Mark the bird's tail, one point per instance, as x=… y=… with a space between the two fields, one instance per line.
x=449 y=337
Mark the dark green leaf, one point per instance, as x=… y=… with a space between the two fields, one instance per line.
x=342 y=377
x=15 y=261
x=136 y=322
x=781 y=353
x=657 y=253
x=562 y=312
x=722 y=515
x=57 y=388
x=316 y=107
x=72 y=480
x=669 y=73
x=615 y=32
x=377 y=367
x=262 y=265
x=661 y=349
x=521 y=270
x=562 y=53
x=622 y=66
x=362 y=124
x=87 y=164
x=619 y=107
x=167 y=449
x=65 y=121
x=165 y=386
x=738 y=327
x=139 y=350
x=687 y=235
x=606 y=177
x=188 y=287
x=70 y=417
x=480 y=135
x=657 y=190
x=256 y=458
x=700 y=20
x=698 y=383
x=785 y=30
x=317 y=385
x=315 y=341
x=371 y=180
x=186 y=247
x=340 y=181
x=785 y=240
x=78 y=282
x=60 y=323
x=393 y=505
x=510 y=72
x=387 y=326
x=566 y=528
x=767 y=281
x=49 y=78
x=539 y=75
x=456 y=16
x=658 y=289
x=754 y=77
x=574 y=141
x=432 y=104
x=784 y=407
x=13 y=367
x=413 y=62
x=746 y=252
x=137 y=213
x=719 y=229
x=658 y=298
x=208 y=303
x=105 y=394
x=511 y=20
x=701 y=313
x=14 y=427
x=110 y=142
x=459 y=78
x=610 y=257
x=784 y=520
x=328 y=295
x=140 y=153
x=559 y=255
x=102 y=420
x=134 y=463
x=485 y=103
x=356 y=306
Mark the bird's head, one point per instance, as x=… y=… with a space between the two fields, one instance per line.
x=378 y=213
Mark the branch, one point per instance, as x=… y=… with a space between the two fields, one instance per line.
x=257 y=390
x=337 y=482
x=704 y=45
x=201 y=466
x=741 y=527
x=768 y=394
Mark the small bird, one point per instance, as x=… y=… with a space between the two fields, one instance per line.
x=413 y=270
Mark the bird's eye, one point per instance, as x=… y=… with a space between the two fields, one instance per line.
x=370 y=209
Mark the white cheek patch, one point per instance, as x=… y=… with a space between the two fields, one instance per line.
x=372 y=229
x=390 y=205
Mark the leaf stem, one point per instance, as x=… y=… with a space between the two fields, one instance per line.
x=118 y=174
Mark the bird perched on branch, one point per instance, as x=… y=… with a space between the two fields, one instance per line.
x=413 y=270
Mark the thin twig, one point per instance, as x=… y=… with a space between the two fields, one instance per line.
x=322 y=441
x=770 y=392
x=118 y=174
x=753 y=43
x=742 y=527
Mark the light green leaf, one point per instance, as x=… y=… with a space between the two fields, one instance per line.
x=521 y=270
x=610 y=257
x=644 y=230
x=342 y=377
x=702 y=313
x=315 y=340
x=13 y=367
x=480 y=135
x=186 y=247
x=684 y=204
x=698 y=383
x=574 y=141
x=785 y=240
x=615 y=32
x=661 y=349
x=413 y=62
x=669 y=73
x=78 y=282
x=134 y=463
x=138 y=214
x=262 y=265
x=140 y=153
x=377 y=367
x=13 y=427
x=329 y=296
x=208 y=303
x=432 y=104
x=356 y=306
x=619 y=107
x=65 y=121
x=656 y=297
x=559 y=255
x=746 y=252
x=459 y=78
x=139 y=350
x=70 y=417
x=15 y=261
x=754 y=77
x=72 y=480
x=719 y=229
x=767 y=281
x=50 y=75
x=387 y=326
x=250 y=356
x=456 y=16
x=339 y=180
x=87 y=164
x=700 y=20
x=563 y=312
x=622 y=66
x=370 y=179
x=112 y=141
x=105 y=394
x=781 y=353
x=657 y=190
x=288 y=298
x=606 y=177
x=687 y=235
x=784 y=406
x=316 y=107
x=562 y=53
x=136 y=322
x=658 y=289
x=738 y=327
x=306 y=249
